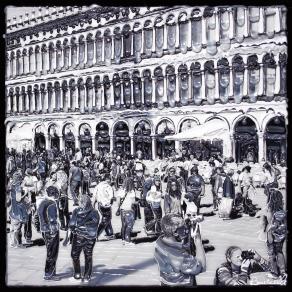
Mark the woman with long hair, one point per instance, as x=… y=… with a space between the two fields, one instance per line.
x=270 y=178
x=127 y=200
x=172 y=199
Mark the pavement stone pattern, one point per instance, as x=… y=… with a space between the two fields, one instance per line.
x=117 y=265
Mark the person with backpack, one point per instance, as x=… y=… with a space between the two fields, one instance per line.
x=49 y=226
x=83 y=225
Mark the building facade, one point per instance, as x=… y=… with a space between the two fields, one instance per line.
x=123 y=78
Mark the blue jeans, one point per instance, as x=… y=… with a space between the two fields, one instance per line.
x=128 y=220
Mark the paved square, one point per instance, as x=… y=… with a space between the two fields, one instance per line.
x=116 y=264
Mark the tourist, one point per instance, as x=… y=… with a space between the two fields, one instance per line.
x=177 y=265
x=104 y=197
x=195 y=189
x=238 y=266
x=49 y=226
x=75 y=178
x=83 y=224
x=127 y=199
x=173 y=197
x=154 y=197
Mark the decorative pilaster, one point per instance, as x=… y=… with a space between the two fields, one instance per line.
x=153 y=145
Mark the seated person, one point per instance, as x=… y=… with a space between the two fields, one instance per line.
x=238 y=266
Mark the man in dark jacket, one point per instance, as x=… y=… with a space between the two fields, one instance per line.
x=83 y=224
x=48 y=216
x=178 y=265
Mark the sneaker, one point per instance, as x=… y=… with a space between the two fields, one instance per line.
x=110 y=237
x=129 y=243
x=86 y=280
x=77 y=276
x=123 y=242
x=28 y=242
x=284 y=276
x=52 y=278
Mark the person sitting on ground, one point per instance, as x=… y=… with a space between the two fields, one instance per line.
x=238 y=266
x=177 y=263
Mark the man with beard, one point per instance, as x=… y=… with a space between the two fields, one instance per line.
x=49 y=226
x=83 y=224
x=104 y=197
x=177 y=262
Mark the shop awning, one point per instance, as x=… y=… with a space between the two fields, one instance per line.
x=214 y=129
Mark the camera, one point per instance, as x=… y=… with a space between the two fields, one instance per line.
x=247 y=255
x=191 y=221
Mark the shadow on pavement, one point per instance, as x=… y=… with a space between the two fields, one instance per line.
x=206 y=205
x=109 y=275
x=144 y=239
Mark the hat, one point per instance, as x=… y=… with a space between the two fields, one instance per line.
x=230 y=172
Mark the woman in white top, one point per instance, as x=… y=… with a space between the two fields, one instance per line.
x=127 y=199
x=154 y=197
x=270 y=178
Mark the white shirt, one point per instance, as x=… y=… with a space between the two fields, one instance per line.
x=103 y=193
x=128 y=201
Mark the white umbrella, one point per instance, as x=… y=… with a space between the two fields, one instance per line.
x=210 y=130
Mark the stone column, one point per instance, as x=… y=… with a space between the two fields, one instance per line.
x=8 y=71
x=14 y=107
x=278 y=76
x=53 y=99
x=231 y=24
x=142 y=92
x=261 y=146
x=76 y=94
x=153 y=90
x=77 y=141
x=176 y=145
x=66 y=100
x=48 y=144
x=153 y=145
x=230 y=81
x=25 y=63
x=177 y=97
x=32 y=101
x=20 y=62
x=216 y=82
x=261 y=24
x=61 y=143
x=164 y=87
x=94 y=53
x=204 y=41
x=132 y=145
x=232 y=145
x=93 y=144
x=61 y=92
x=27 y=103
x=20 y=103
x=14 y=66
x=245 y=80
x=85 y=52
x=8 y=104
x=261 y=82
x=32 y=61
x=39 y=63
x=111 y=143
x=203 y=87
x=46 y=101
x=77 y=54
x=70 y=56
x=47 y=58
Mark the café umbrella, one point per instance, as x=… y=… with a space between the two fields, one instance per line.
x=210 y=130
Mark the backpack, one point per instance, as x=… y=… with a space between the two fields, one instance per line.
x=279 y=224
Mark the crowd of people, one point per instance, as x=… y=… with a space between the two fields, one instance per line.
x=40 y=186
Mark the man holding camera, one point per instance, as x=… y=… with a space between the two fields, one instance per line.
x=178 y=265
x=239 y=265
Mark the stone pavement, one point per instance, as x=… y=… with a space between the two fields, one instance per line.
x=115 y=264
